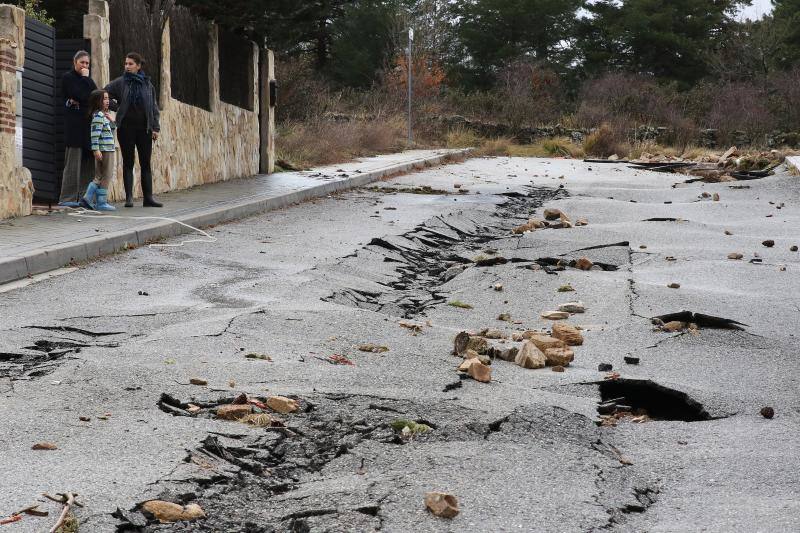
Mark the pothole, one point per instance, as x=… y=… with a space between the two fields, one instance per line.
x=429 y=255
x=643 y=400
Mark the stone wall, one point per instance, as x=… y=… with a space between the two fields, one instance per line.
x=16 y=186
x=196 y=146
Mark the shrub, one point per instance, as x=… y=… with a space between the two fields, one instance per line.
x=604 y=142
x=740 y=106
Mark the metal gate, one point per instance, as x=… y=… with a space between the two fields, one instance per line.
x=38 y=121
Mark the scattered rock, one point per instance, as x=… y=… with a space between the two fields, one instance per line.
x=566 y=288
x=537 y=223
x=557 y=368
x=478 y=344
x=84 y=418
x=555 y=315
x=166 y=512
x=715 y=197
x=769 y=243
x=233 y=411
x=735 y=256
x=584 y=263
x=498 y=287
x=261 y=356
x=504 y=317
x=605 y=367
x=631 y=360
x=767 y=412
x=674 y=285
x=552 y=214
x=727 y=232
x=476 y=370
x=282 y=404
x=793 y=248
x=674 y=326
x=456 y=185
x=441 y=504
x=198 y=381
x=507 y=354
x=493 y=334
x=372 y=348
x=194 y=409
x=572 y=307
x=568 y=333
x=582 y=222
x=544 y=342
x=559 y=356
x=530 y=356
x=460 y=343
x=44 y=446
x=565 y=220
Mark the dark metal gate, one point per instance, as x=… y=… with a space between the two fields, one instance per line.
x=38 y=121
x=65 y=51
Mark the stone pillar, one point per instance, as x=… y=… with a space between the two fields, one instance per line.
x=266 y=113
x=97 y=29
x=16 y=186
x=213 y=68
x=165 y=92
x=253 y=100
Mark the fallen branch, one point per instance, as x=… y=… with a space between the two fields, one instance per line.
x=67 y=500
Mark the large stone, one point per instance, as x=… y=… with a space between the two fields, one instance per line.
x=572 y=307
x=441 y=504
x=479 y=344
x=507 y=354
x=282 y=404
x=530 y=356
x=552 y=214
x=166 y=512
x=568 y=333
x=555 y=315
x=233 y=411
x=559 y=356
x=545 y=342
x=476 y=370
x=584 y=263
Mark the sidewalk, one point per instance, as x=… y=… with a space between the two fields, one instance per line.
x=37 y=244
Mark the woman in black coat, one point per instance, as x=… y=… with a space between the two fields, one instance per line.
x=137 y=125
x=76 y=86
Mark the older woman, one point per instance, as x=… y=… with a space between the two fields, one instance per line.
x=76 y=86
x=137 y=125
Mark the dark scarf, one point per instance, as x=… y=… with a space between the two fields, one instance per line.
x=136 y=83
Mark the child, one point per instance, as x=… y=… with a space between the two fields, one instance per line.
x=102 y=143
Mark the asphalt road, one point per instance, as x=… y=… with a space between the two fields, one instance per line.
x=522 y=453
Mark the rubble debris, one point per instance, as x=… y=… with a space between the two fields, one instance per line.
x=572 y=307
x=479 y=344
x=233 y=411
x=336 y=359
x=530 y=356
x=507 y=354
x=605 y=367
x=261 y=356
x=674 y=285
x=544 y=342
x=631 y=360
x=736 y=256
x=460 y=343
x=793 y=248
x=567 y=333
x=566 y=288
x=559 y=356
x=441 y=504
x=198 y=381
x=584 y=263
x=715 y=197
x=767 y=412
x=373 y=348
x=552 y=214
x=493 y=334
x=490 y=261
x=166 y=512
x=282 y=404
x=504 y=317
x=582 y=222
x=557 y=368
x=44 y=446
x=459 y=304
x=555 y=315
x=476 y=370
x=498 y=287
x=85 y=418
x=701 y=320
x=769 y=243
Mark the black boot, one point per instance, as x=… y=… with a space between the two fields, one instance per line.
x=147 y=191
x=127 y=180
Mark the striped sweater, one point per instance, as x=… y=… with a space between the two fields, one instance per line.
x=102 y=133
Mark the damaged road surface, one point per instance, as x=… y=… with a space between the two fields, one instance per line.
x=300 y=373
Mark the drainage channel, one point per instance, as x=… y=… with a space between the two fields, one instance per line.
x=428 y=256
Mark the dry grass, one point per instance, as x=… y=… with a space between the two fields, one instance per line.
x=557 y=147
x=605 y=142
x=324 y=142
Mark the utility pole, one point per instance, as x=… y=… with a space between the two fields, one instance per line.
x=409 y=60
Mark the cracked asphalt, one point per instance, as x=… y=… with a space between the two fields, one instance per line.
x=522 y=453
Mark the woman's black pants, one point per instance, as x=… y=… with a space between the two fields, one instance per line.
x=132 y=140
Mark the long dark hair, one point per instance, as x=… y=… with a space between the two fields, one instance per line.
x=96 y=101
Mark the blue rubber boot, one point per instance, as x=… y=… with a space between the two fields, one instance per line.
x=102 y=201
x=69 y=204
x=88 y=199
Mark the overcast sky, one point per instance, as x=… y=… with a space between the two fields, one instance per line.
x=758 y=9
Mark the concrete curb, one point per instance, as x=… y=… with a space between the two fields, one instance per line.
x=53 y=257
